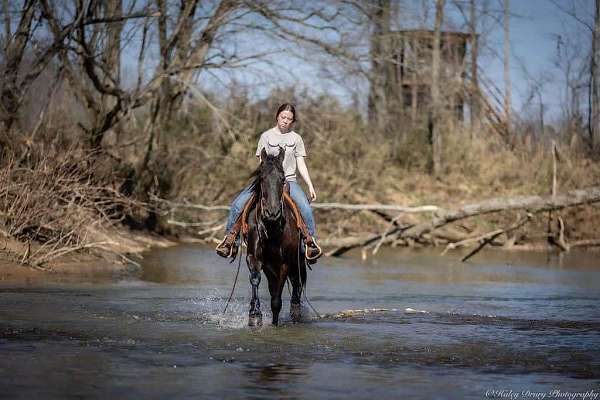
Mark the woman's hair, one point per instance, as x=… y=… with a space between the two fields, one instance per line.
x=286 y=107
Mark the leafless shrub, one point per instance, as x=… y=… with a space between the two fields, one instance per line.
x=56 y=204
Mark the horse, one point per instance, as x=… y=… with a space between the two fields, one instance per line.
x=274 y=244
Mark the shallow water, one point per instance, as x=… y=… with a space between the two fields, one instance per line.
x=430 y=327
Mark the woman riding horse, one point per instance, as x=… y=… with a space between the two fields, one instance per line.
x=280 y=136
x=273 y=240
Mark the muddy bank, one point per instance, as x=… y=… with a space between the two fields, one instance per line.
x=121 y=255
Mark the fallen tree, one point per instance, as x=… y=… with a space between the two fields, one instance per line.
x=531 y=204
x=428 y=232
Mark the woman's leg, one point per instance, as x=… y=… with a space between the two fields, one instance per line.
x=226 y=248
x=237 y=207
x=301 y=201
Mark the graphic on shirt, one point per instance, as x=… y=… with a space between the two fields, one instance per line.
x=282 y=144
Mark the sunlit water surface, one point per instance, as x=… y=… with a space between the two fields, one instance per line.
x=432 y=327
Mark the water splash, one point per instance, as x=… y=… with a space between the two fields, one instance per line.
x=210 y=309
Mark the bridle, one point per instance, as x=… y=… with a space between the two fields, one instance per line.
x=261 y=207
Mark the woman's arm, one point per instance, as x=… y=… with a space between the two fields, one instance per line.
x=303 y=170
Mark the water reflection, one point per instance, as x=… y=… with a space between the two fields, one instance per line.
x=277 y=380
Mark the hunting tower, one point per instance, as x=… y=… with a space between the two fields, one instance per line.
x=403 y=85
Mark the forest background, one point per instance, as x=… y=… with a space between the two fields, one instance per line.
x=123 y=116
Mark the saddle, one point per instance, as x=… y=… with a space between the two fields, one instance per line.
x=242 y=223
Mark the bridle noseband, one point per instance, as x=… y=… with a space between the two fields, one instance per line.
x=261 y=208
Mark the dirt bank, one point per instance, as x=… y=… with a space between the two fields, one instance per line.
x=119 y=256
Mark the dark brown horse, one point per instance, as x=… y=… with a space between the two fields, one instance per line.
x=274 y=243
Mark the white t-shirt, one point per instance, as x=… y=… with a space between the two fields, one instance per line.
x=273 y=139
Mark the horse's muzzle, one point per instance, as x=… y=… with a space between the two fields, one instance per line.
x=272 y=216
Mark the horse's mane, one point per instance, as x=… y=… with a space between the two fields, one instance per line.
x=264 y=168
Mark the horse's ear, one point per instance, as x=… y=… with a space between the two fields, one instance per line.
x=263 y=154
x=281 y=154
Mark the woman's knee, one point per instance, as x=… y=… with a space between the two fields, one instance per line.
x=239 y=202
x=298 y=194
x=235 y=208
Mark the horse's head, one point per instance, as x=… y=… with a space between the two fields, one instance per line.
x=271 y=179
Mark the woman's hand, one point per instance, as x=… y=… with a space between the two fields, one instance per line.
x=313 y=194
x=303 y=170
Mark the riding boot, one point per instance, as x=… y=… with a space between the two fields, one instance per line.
x=313 y=250
x=228 y=247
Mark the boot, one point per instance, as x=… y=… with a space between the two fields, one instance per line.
x=313 y=250
x=228 y=248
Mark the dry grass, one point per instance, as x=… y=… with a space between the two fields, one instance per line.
x=349 y=163
x=55 y=204
x=63 y=201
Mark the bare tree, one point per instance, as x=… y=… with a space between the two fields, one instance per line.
x=574 y=73
x=507 y=83
x=594 y=100
x=475 y=94
x=436 y=101
x=379 y=50
x=569 y=58
x=20 y=66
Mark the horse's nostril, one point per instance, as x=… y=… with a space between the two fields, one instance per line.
x=272 y=214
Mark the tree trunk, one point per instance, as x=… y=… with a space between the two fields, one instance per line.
x=112 y=60
x=377 y=96
x=435 y=128
x=507 y=83
x=594 y=101
x=475 y=106
x=10 y=93
x=183 y=49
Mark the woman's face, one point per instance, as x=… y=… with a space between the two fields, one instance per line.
x=285 y=120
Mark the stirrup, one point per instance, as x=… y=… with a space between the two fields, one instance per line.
x=312 y=244
x=227 y=248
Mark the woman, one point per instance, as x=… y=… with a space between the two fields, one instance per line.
x=280 y=136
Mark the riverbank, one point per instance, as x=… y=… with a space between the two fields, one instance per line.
x=78 y=204
x=120 y=255
x=141 y=248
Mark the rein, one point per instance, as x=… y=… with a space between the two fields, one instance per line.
x=236 y=277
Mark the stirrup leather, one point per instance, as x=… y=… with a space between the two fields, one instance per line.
x=301 y=225
x=297 y=216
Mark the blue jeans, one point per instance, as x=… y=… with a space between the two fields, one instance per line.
x=297 y=195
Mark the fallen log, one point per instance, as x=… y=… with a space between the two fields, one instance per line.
x=396 y=232
x=377 y=207
x=532 y=204
x=585 y=243
x=485 y=238
x=337 y=206
x=491 y=238
x=349 y=244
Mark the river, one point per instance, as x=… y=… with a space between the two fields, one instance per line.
x=504 y=325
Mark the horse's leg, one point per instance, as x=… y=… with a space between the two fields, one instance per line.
x=275 y=300
x=295 y=303
x=254 y=315
x=298 y=280
x=276 y=284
